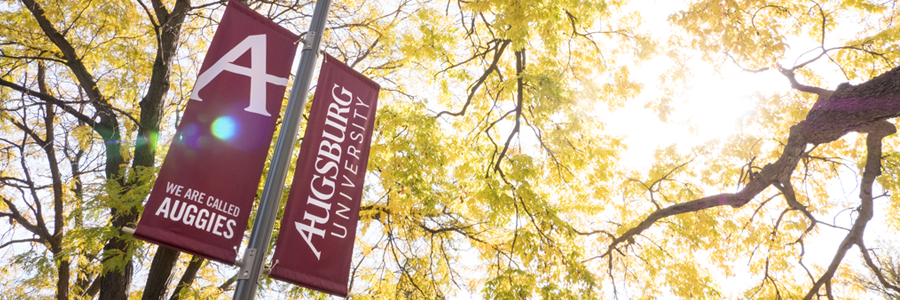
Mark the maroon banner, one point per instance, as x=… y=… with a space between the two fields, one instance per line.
x=315 y=244
x=203 y=196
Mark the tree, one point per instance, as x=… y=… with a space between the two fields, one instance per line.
x=488 y=144
x=90 y=107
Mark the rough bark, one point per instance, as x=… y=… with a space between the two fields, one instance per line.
x=170 y=24
x=163 y=271
x=190 y=273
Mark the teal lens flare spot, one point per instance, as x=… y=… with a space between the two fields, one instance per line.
x=224 y=127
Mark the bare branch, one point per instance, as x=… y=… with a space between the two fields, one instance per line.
x=12 y=242
x=760 y=70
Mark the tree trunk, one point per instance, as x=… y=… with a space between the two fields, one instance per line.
x=161 y=273
x=190 y=273
x=151 y=111
x=114 y=285
x=62 y=280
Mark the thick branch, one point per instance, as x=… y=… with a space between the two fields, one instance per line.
x=152 y=104
x=853 y=108
x=823 y=93
x=162 y=271
x=74 y=63
x=859 y=108
x=774 y=172
x=866 y=210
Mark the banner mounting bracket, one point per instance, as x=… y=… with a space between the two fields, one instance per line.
x=308 y=40
x=247 y=264
x=128 y=230
x=268 y=270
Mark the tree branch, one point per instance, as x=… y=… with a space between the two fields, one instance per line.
x=72 y=60
x=480 y=81
x=190 y=273
x=226 y=286
x=866 y=209
x=149 y=16
x=823 y=93
x=520 y=98
x=875 y=269
x=49 y=99
x=7 y=244
x=16 y=215
x=861 y=108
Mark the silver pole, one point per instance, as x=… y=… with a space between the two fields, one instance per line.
x=258 y=248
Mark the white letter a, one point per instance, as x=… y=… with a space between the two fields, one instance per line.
x=257 y=72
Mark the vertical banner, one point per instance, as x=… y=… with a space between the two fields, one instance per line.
x=315 y=244
x=203 y=196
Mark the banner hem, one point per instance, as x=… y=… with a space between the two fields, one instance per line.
x=310 y=282
x=148 y=235
x=350 y=71
x=249 y=12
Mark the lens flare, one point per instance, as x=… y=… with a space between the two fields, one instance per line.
x=224 y=127
x=189 y=135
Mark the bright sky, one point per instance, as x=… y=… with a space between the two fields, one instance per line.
x=713 y=108
x=713 y=105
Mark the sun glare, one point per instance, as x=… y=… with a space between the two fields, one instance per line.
x=224 y=127
x=712 y=108
x=717 y=107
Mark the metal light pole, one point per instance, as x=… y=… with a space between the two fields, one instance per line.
x=257 y=250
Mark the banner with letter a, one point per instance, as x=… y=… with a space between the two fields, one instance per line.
x=315 y=244
x=203 y=196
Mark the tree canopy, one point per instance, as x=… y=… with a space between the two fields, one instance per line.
x=493 y=170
